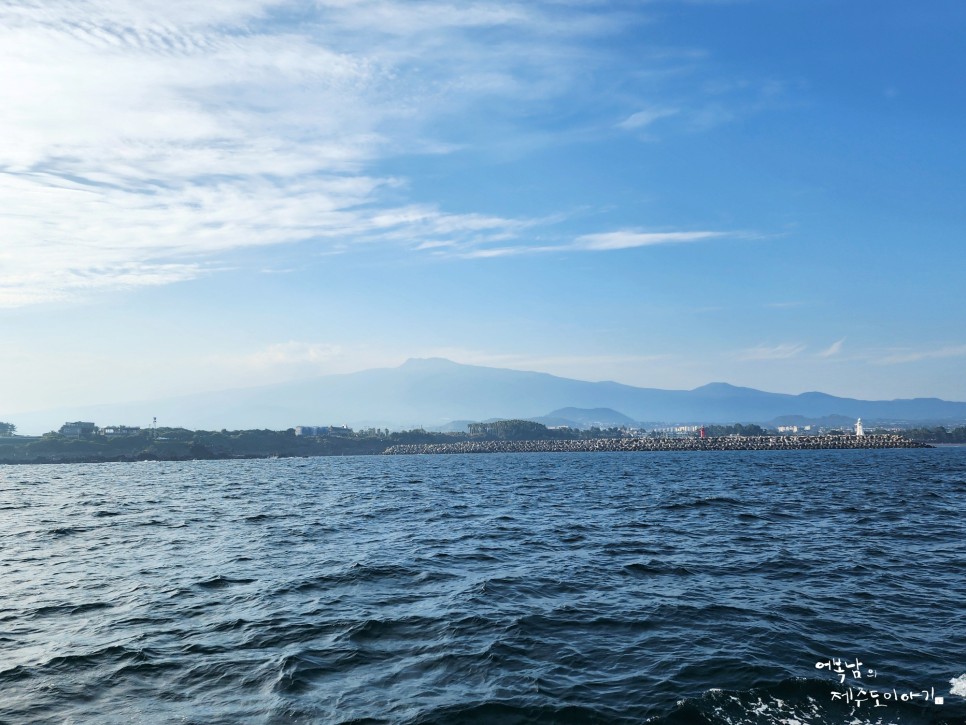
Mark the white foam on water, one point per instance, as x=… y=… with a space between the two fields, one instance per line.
x=958 y=686
x=760 y=707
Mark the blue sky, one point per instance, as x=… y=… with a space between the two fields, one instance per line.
x=207 y=195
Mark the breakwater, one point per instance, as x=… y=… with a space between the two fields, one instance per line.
x=725 y=443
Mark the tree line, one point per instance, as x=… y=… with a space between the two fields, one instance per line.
x=938 y=434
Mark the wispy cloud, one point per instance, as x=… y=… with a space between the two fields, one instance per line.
x=493 y=252
x=589 y=367
x=293 y=353
x=909 y=356
x=280 y=361
x=482 y=247
x=832 y=350
x=680 y=87
x=628 y=239
x=141 y=142
x=642 y=119
x=783 y=351
x=603 y=242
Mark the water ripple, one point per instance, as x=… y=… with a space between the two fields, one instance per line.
x=670 y=588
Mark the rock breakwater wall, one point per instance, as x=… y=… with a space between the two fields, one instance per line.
x=729 y=443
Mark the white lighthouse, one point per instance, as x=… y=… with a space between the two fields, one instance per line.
x=858 y=428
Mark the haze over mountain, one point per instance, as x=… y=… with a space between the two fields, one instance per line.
x=430 y=392
x=586 y=418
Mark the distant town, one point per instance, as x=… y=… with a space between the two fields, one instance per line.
x=85 y=441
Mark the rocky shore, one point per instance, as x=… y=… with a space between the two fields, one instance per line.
x=729 y=443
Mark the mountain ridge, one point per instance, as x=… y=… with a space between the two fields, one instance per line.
x=434 y=391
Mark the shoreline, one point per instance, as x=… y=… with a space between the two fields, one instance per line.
x=615 y=445
x=591 y=445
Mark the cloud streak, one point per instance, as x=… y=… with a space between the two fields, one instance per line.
x=602 y=242
x=643 y=119
x=625 y=239
x=832 y=350
x=141 y=142
x=899 y=358
x=783 y=351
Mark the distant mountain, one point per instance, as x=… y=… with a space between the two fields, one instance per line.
x=432 y=392
x=586 y=418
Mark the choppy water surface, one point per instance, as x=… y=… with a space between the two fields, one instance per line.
x=679 y=587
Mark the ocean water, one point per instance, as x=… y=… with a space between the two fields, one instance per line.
x=510 y=588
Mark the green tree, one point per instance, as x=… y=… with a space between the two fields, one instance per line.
x=510 y=430
x=747 y=429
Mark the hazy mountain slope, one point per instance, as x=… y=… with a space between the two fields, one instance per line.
x=431 y=392
x=586 y=418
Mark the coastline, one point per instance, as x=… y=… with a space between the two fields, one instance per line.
x=589 y=445
x=612 y=445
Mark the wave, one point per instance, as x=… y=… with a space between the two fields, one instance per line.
x=703 y=502
x=68 y=609
x=484 y=713
x=797 y=701
x=620 y=591
x=221 y=582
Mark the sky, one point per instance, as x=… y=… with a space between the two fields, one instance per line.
x=200 y=196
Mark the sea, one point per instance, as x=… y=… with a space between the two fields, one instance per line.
x=783 y=587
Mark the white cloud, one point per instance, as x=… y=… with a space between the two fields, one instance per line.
x=628 y=239
x=834 y=349
x=292 y=353
x=140 y=140
x=279 y=362
x=603 y=242
x=900 y=357
x=586 y=367
x=491 y=252
x=783 y=351
x=645 y=118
